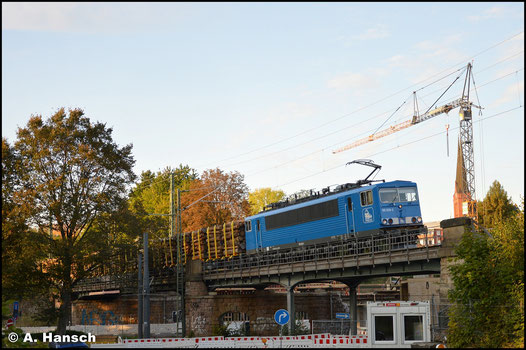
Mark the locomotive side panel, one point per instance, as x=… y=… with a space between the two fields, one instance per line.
x=364 y=212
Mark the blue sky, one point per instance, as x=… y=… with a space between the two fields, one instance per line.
x=270 y=89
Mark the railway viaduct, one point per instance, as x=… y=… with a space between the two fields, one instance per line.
x=349 y=262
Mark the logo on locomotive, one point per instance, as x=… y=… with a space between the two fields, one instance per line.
x=368 y=215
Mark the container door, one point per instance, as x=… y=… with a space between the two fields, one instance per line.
x=259 y=242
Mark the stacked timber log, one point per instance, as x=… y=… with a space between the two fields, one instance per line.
x=215 y=242
x=206 y=244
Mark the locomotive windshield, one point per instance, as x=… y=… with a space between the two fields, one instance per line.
x=402 y=194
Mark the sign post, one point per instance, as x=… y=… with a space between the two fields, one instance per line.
x=281 y=317
x=342 y=316
x=16 y=307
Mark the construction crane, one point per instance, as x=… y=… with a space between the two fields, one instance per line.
x=465 y=191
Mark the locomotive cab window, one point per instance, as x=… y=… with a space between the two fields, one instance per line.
x=388 y=195
x=366 y=198
x=407 y=194
x=248 y=226
x=402 y=194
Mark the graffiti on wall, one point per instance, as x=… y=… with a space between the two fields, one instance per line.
x=199 y=324
x=99 y=317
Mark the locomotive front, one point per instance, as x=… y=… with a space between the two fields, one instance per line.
x=399 y=204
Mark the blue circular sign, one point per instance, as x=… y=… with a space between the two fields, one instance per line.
x=282 y=317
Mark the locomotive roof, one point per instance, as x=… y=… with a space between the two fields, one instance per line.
x=329 y=197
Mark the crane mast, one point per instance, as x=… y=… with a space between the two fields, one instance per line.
x=466 y=145
x=465 y=141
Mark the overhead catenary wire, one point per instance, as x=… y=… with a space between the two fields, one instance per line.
x=369 y=105
x=392 y=148
x=355 y=124
x=153 y=182
x=357 y=136
x=342 y=129
x=403 y=103
x=481 y=137
x=518 y=87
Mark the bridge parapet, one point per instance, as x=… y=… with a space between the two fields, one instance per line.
x=453 y=229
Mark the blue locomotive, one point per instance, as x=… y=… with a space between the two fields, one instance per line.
x=361 y=209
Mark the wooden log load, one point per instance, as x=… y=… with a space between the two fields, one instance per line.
x=206 y=244
x=217 y=242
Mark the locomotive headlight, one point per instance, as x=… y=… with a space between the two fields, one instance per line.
x=413 y=220
x=400 y=206
x=390 y=221
x=419 y=219
x=384 y=221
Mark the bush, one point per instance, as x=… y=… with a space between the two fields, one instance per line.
x=220 y=330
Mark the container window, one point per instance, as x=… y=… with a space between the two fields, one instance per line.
x=384 y=328
x=248 y=226
x=413 y=327
x=366 y=198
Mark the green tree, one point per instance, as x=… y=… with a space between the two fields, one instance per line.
x=71 y=172
x=152 y=196
x=261 y=197
x=488 y=293
x=21 y=252
x=495 y=207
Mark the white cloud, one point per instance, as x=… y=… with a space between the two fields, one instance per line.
x=89 y=17
x=429 y=58
x=286 y=113
x=513 y=47
x=353 y=81
x=493 y=12
x=513 y=92
x=378 y=32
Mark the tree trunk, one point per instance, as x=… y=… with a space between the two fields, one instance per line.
x=64 y=311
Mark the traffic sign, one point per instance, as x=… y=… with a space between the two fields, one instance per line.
x=342 y=315
x=9 y=323
x=282 y=317
x=15 y=309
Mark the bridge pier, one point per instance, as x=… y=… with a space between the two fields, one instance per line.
x=353 y=309
x=290 y=308
x=353 y=303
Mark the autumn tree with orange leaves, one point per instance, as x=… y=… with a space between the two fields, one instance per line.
x=215 y=198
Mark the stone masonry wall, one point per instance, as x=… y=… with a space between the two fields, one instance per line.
x=121 y=310
x=204 y=309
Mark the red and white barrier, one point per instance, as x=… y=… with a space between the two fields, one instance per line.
x=301 y=341
x=336 y=341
